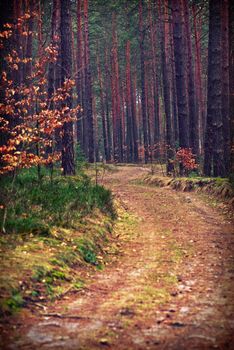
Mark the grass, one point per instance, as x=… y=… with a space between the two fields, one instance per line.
x=220 y=187
x=34 y=207
x=54 y=232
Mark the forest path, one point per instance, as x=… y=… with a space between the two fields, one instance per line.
x=172 y=287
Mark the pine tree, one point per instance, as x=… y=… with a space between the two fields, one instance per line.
x=68 y=162
x=214 y=151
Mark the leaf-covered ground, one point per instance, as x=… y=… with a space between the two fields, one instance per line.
x=172 y=286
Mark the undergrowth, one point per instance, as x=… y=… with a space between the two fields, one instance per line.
x=220 y=187
x=51 y=229
x=36 y=207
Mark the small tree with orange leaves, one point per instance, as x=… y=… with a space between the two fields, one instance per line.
x=28 y=116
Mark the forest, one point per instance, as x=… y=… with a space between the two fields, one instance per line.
x=116 y=156
x=122 y=81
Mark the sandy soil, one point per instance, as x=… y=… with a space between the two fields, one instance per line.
x=171 y=288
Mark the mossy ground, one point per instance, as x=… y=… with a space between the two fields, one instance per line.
x=222 y=188
x=51 y=229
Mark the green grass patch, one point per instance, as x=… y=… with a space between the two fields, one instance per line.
x=54 y=231
x=34 y=207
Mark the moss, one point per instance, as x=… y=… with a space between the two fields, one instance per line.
x=11 y=304
x=221 y=187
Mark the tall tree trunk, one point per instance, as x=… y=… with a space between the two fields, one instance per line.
x=214 y=153
x=143 y=94
x=107 y=89
x=117 y=129
x=175 y=132
x=102 y=110
x=68 y=162
x=79 y=75
x=231 y=85
x=129 y=106
x=180 y=70
x=198 y=79
x=193 y=117
x=88 y=87
x=134 y=119
x=225 y=85
x=166 y=89
x=154 y=71
x=96 y=133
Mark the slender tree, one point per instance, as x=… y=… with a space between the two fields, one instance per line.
x=198 y=78
x=88 y=87
x=231 y=86
x=225 y=84
x=214 y=152
x=143 y=92
x=102 y=111
x=166 y=88
x=180 y=71
x=129 y=106
x=79 y=75
x=107 y=88
x=151 y=8
x=116 y=107
x=68 y=162
x=193 y=118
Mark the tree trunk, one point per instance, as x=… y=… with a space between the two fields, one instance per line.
x=154 y=71
x=214 y=153
x=107 y=107
x=180 y=70
x=129 y=106
x=96 y=133
x=88 y=87
x=225 y=85
x=79 y=76
x=68 y=163
x=166 y=90
x=231 y=85
x=193 y=116
x=116 y=108
x=102 y=110
x=134 y=119
x=143 y=94
x=198 y=79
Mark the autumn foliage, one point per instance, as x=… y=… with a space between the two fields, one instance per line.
x=29 y=117
x=186 y=158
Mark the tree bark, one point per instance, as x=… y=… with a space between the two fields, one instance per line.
x=166 y=90
x=79 y=75
x=68 y=162
x=214 y=153
x=88 y=87
x=143 y=93
x=198 y=79
x=102 y=110
x=116 y=108
x=225 y=85
x=231 y=79
x=193 y=116
x=180 y=70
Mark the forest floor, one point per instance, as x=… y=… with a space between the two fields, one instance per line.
x=172 y=286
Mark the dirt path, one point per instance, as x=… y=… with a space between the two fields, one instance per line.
x=172 y=288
